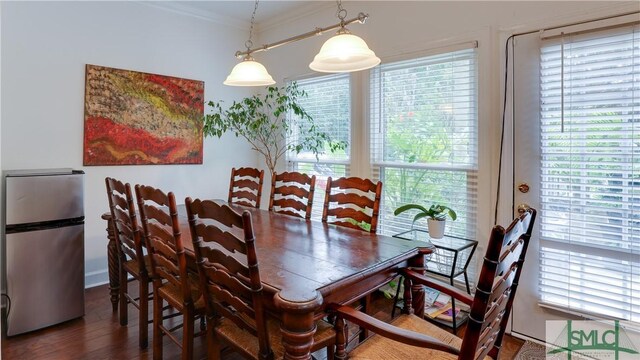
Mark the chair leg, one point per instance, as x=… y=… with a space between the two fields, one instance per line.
x=213 y=343
x=157 y=321
x=331 y=352
x=366 y=308
x=187 y=332
x=124 y=289
x=341 y=339
x=143 y=323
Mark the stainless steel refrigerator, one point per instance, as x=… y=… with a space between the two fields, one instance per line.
x=44 y=247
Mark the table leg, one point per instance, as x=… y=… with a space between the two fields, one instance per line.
x=417 y=290
x=113 y=261
x=298 y=326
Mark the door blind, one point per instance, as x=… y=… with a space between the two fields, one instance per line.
x=424 y=138
x=328 y=101
x=590 y=173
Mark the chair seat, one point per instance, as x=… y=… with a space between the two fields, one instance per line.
x=228 y=330
x=131 y=267
x=378 y=347
x=173 y=295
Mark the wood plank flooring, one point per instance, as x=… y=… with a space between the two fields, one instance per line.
x=98 y=335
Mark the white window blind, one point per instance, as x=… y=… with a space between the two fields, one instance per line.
x=590 y=178
x=424 y=138
x=328 y=101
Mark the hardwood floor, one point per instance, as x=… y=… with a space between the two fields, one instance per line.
x=98 y=335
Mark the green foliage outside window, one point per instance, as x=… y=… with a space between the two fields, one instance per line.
x=427 y=135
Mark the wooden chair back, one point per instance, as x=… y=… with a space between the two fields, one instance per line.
x=124 y=217
x=245 y=187
x=292 y=194
x=161 y=226
x=354 y=202
x=497 y=287
x=225 y=250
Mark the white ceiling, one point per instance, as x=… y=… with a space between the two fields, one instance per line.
x=238 y=13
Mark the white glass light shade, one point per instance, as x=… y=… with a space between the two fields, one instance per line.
x=249 y=73
x=344 y=52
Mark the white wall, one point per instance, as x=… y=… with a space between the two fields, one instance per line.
x=398 y=29
x=45 y=47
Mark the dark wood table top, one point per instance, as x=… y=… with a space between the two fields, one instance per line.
x=302 y=258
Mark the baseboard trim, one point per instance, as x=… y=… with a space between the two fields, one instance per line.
x=96 y=278
x=526 y=338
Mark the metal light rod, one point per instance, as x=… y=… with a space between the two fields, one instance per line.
x=361 y=18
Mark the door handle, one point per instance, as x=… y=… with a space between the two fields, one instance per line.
x=522 y=208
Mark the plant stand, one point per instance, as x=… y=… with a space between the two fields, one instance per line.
x=450 y=259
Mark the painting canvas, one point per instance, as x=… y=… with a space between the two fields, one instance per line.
x=138 y=118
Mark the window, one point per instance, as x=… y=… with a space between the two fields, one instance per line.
x=328 y=101
x=590 y=192
x=424 y=137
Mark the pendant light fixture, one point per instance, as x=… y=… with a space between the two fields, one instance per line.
x=249 y=72
x=344 y=52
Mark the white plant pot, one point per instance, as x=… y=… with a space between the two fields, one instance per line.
x=436 y=228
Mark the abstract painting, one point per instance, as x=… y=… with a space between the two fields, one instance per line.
x=135 y=118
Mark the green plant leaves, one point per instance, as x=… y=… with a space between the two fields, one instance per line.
x=420 y=216
x=273 y=123
x=436 y=211
x=406 y=207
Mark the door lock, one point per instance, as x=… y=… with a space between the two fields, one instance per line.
x=524 y=188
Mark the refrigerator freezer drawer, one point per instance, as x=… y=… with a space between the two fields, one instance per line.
x=45 y=277
x=32 y=199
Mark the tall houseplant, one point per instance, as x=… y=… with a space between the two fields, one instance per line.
x=436 y=215
x=273 y=123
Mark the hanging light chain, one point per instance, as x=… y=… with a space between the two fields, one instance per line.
x=249 y=44
x=341 y=13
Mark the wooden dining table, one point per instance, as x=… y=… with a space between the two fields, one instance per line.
x=307 y=265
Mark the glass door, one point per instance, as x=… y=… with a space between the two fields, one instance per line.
x=577 y=147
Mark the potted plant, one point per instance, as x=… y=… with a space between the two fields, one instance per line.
x=273 y=123
x=437 y=217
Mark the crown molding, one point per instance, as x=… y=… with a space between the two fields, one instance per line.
x=308 y=10
x=184 y=9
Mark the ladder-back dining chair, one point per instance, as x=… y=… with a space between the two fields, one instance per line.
x=130 y=255
x=409 y=337
x=225 y=249
x=292 y=194
x=245 y=187
x=352 y=202
x=172 y=281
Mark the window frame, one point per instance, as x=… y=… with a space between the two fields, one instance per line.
x=292 y=164
x=377 y=165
